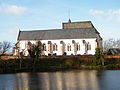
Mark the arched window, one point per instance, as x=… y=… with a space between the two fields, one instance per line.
x=38 y=43
x=84 y=41
x=61 y=42
x=88 y=46
x=78 y=47
x=29 y=44
x=54 y=47
x=73 y=41
x=49 y=45
x=44 y=47
x=68 y=47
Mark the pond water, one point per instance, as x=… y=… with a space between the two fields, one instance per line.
x=63 y=80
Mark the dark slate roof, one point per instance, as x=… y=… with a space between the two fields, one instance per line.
x=79 y=33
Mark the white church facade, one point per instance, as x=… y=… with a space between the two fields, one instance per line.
x=75 y=38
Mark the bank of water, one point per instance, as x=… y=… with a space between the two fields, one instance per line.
x=62 y=80
x=44 y=64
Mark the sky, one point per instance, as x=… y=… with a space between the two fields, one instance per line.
x=26 y=15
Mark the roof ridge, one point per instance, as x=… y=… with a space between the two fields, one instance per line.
x=79 y=22
x=57 y=29
x=40 y=30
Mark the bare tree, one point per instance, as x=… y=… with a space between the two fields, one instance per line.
x=35 y=50
x=111 y=43
x=4 y=47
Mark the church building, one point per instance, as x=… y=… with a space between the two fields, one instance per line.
x=75 y=38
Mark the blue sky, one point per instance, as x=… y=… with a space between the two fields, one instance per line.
x=49 y=14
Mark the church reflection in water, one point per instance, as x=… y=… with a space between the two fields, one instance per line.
x=71 y=80
x=64 y=80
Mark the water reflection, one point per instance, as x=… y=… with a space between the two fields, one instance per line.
x=69 y=80
x=22 y=81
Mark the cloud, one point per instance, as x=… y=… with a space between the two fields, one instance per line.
x=117 y=12
x=9 y=34
x=12 y=9
x=108 y=14
x=13 y=31
x=96 y=12
x=109 y=22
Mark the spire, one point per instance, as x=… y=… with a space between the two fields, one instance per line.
x=69 y=21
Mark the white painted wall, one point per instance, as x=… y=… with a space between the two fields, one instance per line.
x=92 y=41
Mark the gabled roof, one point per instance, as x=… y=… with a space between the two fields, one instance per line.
x=75 y=33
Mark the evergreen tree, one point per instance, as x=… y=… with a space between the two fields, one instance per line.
x=97 y=53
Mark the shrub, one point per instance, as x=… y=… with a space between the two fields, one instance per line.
x=68 y=63
x=97 y=53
